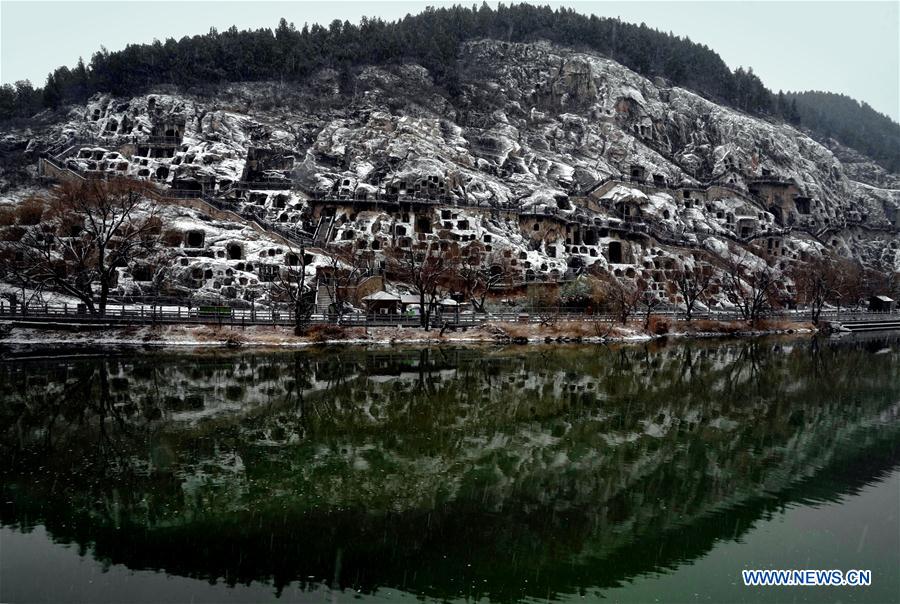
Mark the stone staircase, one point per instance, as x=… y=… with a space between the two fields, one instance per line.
x=52 y=168
x=323 y=231
x=323 y=299
x=888 y=323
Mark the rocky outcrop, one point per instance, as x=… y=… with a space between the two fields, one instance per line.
x=533 y=129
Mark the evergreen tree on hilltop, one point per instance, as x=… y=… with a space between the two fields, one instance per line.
x=852 y=123
x=432 y=38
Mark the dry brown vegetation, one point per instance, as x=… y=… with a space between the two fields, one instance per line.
x=735 y=327
x=30 y=211
x=326 y=332
x=172 y=237
x=782 y=325
x=708 y=326
x=268 y=336
x=12 y=233
x=658 y=326
x=561 y=329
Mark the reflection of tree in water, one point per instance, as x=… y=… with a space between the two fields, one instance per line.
x=541 y=463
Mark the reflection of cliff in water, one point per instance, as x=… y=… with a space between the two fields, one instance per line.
x=568 y=467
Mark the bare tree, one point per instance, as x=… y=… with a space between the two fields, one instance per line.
x=544 y=302
x=546 y=305
x=849 y=283
x=481 y=274
x=469 y=274
x=601 y=326
x=880 y=278
x=819 y=281
x=291 y=286
x=87 y=232
x=624 y=298
x=844 y=280
x=347 y=267
x=750 y=284
x=692 y=284
x=425 y=268
x=25 y=296
x=650 y=301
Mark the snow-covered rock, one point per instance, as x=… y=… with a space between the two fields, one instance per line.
x=533 y=129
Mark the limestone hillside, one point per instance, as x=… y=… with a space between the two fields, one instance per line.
x=554 y=160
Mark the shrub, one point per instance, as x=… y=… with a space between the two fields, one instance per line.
x=325 y=332
x=577 y=293
x=12 y=233
x=154 y=225
x=708 y=326
x=70 y=226
x=172 y=238
x=30 y=212
x=658 y=326
x=781 y=325
x=7 y=216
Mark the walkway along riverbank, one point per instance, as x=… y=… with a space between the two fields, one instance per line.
x=46 y=336
x=139 y=315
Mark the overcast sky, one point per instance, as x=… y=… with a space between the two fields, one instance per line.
x=847 y=47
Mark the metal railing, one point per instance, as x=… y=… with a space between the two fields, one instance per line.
x=63 y=172
x=121 y=315
x=667 y=186
x=292 y=236
x=158 y=140
x=149 y=314
x=264 y=185
x=383 y=198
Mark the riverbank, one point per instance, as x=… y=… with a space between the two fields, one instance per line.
x=211 y=336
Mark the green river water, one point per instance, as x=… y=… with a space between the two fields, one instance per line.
x=653 y=472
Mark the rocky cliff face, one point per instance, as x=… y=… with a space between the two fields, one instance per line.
x=586 y=148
